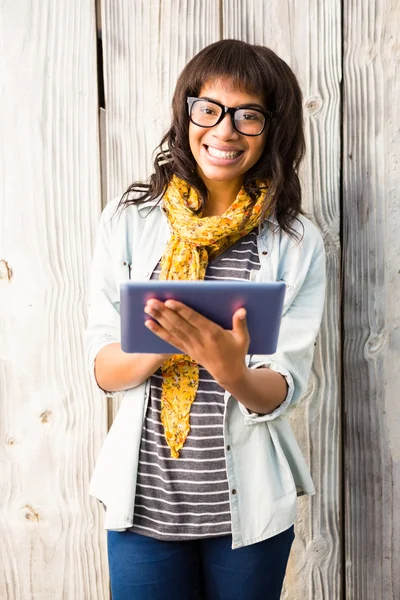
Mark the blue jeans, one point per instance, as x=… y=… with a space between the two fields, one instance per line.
x=142 y=568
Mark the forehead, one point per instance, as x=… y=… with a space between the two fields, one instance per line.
x=227 y=92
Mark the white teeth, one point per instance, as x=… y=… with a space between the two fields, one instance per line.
x=222 y=154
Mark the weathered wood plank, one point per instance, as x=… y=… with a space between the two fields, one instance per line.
x=307 y=36
x=371 y=212
x=146 y=44
x=52 y=423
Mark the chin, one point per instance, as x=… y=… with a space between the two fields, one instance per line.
x=221 y=175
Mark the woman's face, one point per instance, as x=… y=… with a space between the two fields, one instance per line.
x=222 y=153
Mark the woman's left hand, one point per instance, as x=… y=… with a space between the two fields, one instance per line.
x=220 y=351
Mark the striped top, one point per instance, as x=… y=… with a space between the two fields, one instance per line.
x=188 y=497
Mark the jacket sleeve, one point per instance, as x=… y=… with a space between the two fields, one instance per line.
x=299 y=328
x=103 y=326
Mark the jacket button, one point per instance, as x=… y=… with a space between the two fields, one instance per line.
x=228 y=447
x=233 y=492
x=264 y=252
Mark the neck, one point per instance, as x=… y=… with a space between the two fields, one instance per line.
x=221 y=195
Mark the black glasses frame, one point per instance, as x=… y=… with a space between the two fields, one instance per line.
x=231 y=111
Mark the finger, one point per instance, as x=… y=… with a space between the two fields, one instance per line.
x=166 y=335
x=168 y=318
x=239 y=325
x=188 y=314
x=170 y=326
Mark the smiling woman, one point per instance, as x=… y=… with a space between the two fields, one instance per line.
x=184 y=510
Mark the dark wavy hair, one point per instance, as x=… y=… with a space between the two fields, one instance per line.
x=252 y=69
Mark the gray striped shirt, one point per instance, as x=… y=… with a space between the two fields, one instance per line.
x=188 y=498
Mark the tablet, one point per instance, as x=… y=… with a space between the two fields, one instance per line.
x=216 y=300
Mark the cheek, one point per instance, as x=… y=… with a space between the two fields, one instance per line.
x=257 y=150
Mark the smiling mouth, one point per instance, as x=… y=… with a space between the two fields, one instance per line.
x=223 y=153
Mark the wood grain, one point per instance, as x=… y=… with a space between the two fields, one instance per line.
x=371 y=212
x=146 y=45
x=307 y=36
x=51 y=423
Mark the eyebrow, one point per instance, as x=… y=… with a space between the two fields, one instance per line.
x=247 y=105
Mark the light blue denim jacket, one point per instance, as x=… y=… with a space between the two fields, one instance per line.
x=265 y=467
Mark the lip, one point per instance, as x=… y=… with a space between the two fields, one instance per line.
x=221 y=162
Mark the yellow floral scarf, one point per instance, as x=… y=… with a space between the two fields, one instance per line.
x=194 y=241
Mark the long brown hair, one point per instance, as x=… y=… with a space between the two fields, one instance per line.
x=253 y=69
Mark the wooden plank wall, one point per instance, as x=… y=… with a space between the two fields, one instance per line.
x=308 y=37
x=145 y=46
x=371 y=298
x=52 y=422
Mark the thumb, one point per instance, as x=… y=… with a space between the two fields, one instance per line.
x=239 y=323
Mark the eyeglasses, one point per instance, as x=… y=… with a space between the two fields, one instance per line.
x=245 y=119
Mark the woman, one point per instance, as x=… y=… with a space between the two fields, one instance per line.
x=200 y=471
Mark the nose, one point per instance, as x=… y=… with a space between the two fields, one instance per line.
x=225 y=129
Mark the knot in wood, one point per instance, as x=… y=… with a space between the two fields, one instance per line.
x=31 y=514
x=314 y=104
x=45 y=417
x=319 y=549
x=6 y=271
x=376 y=344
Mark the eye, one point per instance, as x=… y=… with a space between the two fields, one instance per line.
x=207 y=110
x=252 y=116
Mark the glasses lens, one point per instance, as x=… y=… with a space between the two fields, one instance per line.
x=205 y=113
x=249 y=121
